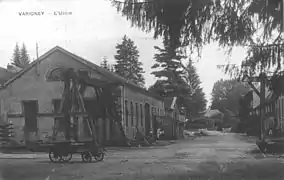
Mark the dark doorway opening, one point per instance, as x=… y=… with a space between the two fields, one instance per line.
x=147 y=119
x=93 y=108
x=30 y=113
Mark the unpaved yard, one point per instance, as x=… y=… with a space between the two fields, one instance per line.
x=215 y=157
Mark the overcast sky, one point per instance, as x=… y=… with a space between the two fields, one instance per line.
x=92 y=31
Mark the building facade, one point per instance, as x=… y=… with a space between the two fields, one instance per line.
x=34 y=91
x=173 y=121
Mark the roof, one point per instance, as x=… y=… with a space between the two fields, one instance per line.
x=5 y=75
x=110 y=75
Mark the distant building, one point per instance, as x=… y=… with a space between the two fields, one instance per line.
x=173 y=121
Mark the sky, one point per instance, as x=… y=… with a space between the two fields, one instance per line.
x=92 y=32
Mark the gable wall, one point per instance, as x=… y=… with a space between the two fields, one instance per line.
x=31 y=86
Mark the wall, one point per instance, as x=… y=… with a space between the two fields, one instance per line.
x=135 y=97
x=31 y=86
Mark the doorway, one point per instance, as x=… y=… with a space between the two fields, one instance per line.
x=92 y=107
x=30 y=113
x=147 y=119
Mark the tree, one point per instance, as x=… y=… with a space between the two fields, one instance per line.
x=168 y=70
x=253 y=23
x=226 y=95
x=25 y=59
x=127 y=62
x=194 y=23
x=105 y=64
x=16 y=58
x=20 y=59
x=158 y=88
x=198 y=100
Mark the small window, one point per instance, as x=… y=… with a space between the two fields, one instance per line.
x=54 y=75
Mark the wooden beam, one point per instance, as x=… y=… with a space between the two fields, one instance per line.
x=254 y=88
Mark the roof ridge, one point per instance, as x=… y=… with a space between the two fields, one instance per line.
x=101 y=68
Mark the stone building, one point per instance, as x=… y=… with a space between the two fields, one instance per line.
x=35 y=91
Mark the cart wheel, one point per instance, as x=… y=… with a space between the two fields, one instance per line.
x=53 y=157
x=67 y=158
x=86 y=157
x=99 y=156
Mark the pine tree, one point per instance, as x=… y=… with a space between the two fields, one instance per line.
x=198 y=100
x=104 y=63
x=127 y=62
x=25 y=59
x=20 y=59
x=168 y=68
x=16 y=58
x=111 y=68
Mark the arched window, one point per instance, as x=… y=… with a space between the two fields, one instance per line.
x=54 y=75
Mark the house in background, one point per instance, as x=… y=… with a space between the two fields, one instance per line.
x=5 y=75
x=35 y=91
x=173 y=122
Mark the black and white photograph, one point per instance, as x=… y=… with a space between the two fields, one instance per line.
x=141 y=89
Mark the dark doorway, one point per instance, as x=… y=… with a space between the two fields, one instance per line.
x=147 y=119
x=93 y=108
x=30 y=113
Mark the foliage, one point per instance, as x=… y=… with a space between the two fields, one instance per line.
x=177 y=80
x=159 y=88
x=25 y=59
x=16 y=59
x=252 y=23
x=226 y=95
x=198 y=100
x=127 y=62
x=172 y=80
x=106 y=65
x=20 y=58
x=190 y=22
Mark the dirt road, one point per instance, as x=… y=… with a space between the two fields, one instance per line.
x=215 y=157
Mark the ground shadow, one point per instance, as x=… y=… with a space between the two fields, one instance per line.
x=65 y=163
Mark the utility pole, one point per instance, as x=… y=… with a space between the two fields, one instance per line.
x=262 y=79
x=262 y=102
x=36 y=50
x=37 y=63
